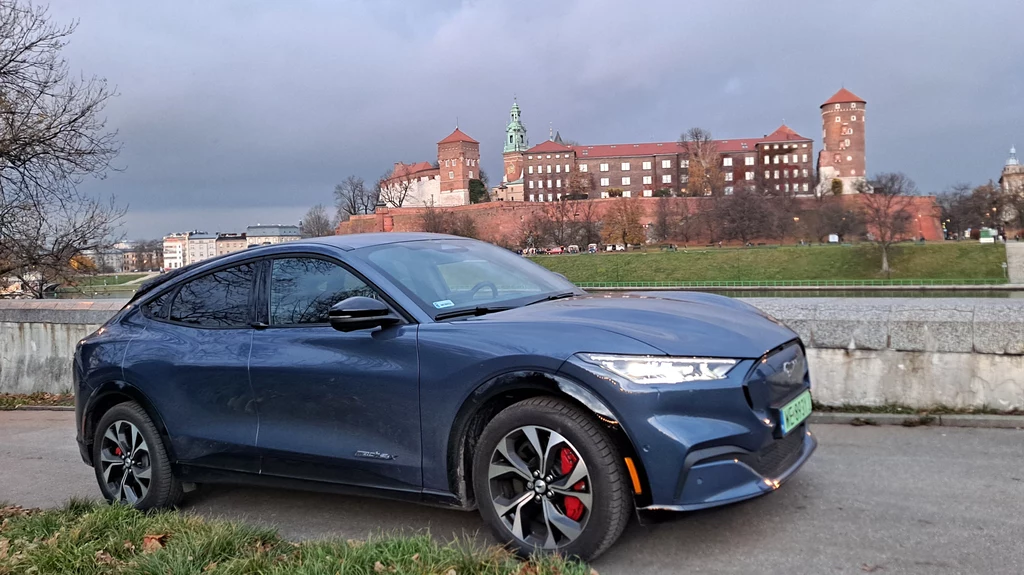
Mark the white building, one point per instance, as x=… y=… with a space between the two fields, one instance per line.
x=412 y=186
x=175 y=250
x=201 y=246
x=107 y=260
x=261 y=234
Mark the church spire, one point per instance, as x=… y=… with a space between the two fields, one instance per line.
x=515 y=132
x=1012 y=160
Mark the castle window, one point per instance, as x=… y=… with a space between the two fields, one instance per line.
x=803 y=146
x=849 y=158
x=728 y=190
x=776 y=159
x=727 y=162
x=767 y=160
x=749 y=176
x=648 y=193
x=626 y=194
x=776 y=147
x=748 y=161
x=786 y=188
x=785 y=159
x=471 y=174
x=549 y=185
x=605 y=182
x=531 y=187
x=648 y=180
x=785 y=173
x=666 y=164
x=558 y=184
x=604 y=167
x=646 y=165
x=838 y=120
x=510 y=138
x=530 y=169
x=728 y=176
x=847 y=142
x=625 y=180
x=805 y=172
x=557 y=156
x=567 y=168
x=853 y=105
x=529 y=157
x=805 y=187
x=853 y=118
x=583 y=167
x=805 y=158
x=558 y=168
x=451 y=175
x=837 y=106
x=853 y=172
x=625 y=166
x=666 y=179
x=767 y=174
x=533 y=198
x=549 y=156
x=776 y=174
x=549 y=168
x=684 y=164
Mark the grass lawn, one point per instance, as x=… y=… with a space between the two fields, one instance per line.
x=85 y=538
x=106 y=279
x=960 y=260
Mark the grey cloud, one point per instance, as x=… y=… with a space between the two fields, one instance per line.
x=232 y=110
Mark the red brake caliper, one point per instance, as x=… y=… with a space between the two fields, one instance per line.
x=573 y=506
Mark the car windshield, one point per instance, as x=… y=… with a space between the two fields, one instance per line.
x=448 y=275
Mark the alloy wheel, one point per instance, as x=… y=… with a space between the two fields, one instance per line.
x=540 y=487
x=125 y=462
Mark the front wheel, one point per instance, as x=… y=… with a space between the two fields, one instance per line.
x=547 y=478
x=130 y=460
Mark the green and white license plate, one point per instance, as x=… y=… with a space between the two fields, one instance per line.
x=795 y=412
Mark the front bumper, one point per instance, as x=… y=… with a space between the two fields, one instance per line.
x=710 y=443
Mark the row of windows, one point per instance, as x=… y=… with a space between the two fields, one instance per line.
x=852 y=105
x=453 y=162
x=785 y=158
x=302 y=291
x=796 y=187
x=549 y=156
x=540 y=169
x=852 y=119
x=785 y=174
x=540 y=184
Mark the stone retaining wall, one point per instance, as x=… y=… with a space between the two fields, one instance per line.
x=919 y=352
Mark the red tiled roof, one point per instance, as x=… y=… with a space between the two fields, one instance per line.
x=548 y=146
x=660 y=148
x=784 y=134
x=404 y=170
x=458 y=136
x=844 y=96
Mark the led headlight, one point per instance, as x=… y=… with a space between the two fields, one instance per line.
x=654 y=369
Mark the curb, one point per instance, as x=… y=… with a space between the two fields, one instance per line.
x=45 y=408
x=986 y=421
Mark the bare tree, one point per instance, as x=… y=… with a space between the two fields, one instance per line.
x=705 y=172
x=444 y=221
x=579 y=185
x=52 y=135
x=317 y=223
x=394 y=188
x=622 y=223
x=745 y=215
x=352 y=198
x=886 y=205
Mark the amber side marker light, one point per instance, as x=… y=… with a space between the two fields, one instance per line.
x=633 y=475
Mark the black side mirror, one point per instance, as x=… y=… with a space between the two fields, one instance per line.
x=360 y=312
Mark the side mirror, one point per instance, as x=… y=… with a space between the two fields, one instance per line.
x=356 y=313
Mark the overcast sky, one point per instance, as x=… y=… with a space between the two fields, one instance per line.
x=235 y=112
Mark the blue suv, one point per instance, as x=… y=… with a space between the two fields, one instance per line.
x=443 y=370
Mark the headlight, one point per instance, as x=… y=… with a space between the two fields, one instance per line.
x=654 y=369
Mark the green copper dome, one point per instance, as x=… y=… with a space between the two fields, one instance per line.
x=515 y=133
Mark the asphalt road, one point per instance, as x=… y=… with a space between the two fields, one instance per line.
x=872 y=499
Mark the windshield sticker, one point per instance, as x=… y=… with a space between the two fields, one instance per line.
x=444 y=303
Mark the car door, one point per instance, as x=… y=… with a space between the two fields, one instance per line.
x=192 y=364
x=334 y=406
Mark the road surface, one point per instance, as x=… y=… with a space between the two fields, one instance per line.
x=872 y=499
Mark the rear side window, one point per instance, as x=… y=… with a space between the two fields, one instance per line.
x=155 y=308
x=302 y=290
x=220 y=299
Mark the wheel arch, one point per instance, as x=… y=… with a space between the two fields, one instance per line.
x=110 y=394
x=504 y=390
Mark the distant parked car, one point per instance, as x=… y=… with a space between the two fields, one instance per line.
x=442 y=370
x=555 y=251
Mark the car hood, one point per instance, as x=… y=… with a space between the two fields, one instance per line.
x=677 y=323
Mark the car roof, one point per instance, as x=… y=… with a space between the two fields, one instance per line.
x=357 y=241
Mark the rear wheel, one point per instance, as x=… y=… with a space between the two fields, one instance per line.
x=130 y=460
x=547 y=478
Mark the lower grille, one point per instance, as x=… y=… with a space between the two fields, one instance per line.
x=779 y=456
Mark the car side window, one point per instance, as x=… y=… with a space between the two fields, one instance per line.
x=219 y=299
x=155 y=308
x=302 y=290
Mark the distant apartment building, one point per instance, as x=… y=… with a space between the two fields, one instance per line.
x=106 y=260
x=201 y=246
x=261 y=234
x=137 y=259
x=175 y=250
x=230 y=243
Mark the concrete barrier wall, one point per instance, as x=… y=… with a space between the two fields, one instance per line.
x=919 y=352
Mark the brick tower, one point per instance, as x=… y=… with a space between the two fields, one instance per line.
x=842 y=156
x=458 y=158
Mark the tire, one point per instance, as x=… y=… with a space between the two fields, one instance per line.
x=150 y=484
x=537 y=515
